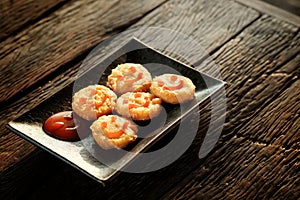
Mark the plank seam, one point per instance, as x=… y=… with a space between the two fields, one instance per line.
x=134 y=21
x=287 y=60
x=261 y=107
x=216 y=49
x=273 y=71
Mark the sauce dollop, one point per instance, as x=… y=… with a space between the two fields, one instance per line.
x=62 y=126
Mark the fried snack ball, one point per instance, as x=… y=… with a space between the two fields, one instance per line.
x=113 y=131
x=138 y=105
x=93 y=101
x=173 y=88
x=129 y=77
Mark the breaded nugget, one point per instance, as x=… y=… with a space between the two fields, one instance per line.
x=173 y=88
x=93 y=101
x=129 y=77
x=113 y=131
x=138 y=106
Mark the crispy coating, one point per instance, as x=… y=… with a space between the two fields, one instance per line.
x=93 y=101
x=172 y=88
x=129 y=77
x=113 y=131
x=138 y=106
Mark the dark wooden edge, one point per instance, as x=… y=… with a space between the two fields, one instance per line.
x=272 y=10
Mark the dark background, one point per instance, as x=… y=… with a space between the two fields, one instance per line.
x=292 y=6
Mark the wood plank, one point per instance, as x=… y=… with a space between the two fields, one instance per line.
x=242 y=143
x=259 y=173
x=155 y=185
x=154 y=18
x=278 y=122
x=257 y=155
x=272 y=10
x=254 y=184
x=16 y=14
x=209 y=23
x=242 y=169
x=8 y=140
x=21 y=149
x=290 y=6
x=223 y=29
x=14 y=178
x=252 y=69
x=59 y=38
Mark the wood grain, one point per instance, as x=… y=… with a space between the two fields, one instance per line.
x=272 y=10
x=225 y=27
x=278 y=122
x=92 y=190
x=156 y=187
x=257 y=154
x=6 y=156
x=242 y=169
x=59 y=38
x=252 y=168
x=253 y=71
x=10 y=142
x=154 y=18
x=17 y=14
x=208 y=24
x=242 y=165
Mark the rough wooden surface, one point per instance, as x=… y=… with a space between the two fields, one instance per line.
x=190 y=16
x=153 y=179
x=243 y=169
x=253 y=71
x=60 y=81
x=15 y=15
x=262 y=131
x=209 y=23
x=13 y=148
x=62 y=36
x=257 y=155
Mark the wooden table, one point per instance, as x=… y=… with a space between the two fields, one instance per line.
x=257 y=155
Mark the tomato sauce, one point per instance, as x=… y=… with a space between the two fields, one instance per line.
x=61 y=125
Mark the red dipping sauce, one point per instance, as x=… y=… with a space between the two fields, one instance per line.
x=61 y=125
